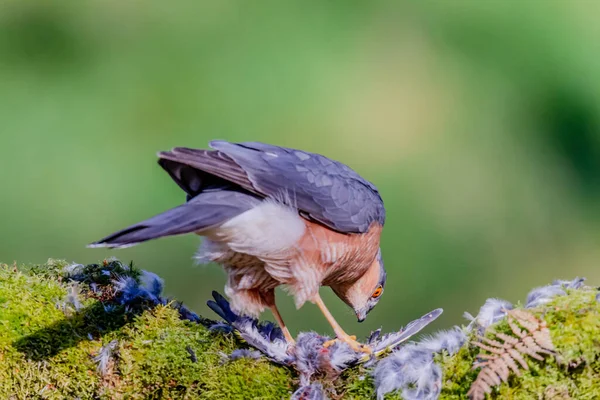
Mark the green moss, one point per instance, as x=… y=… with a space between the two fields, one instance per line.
x=45 y=353
x=574 y=323
x=40 y=351
x=47 y=350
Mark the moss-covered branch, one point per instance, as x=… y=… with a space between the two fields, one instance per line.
x=60 y=340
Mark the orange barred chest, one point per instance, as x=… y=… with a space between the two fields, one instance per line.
x=341 y=257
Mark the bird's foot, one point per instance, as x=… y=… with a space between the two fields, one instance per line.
x=289 y=338
x=351 y=341
x=291 y=343
x=291 y=349
x=330 y=343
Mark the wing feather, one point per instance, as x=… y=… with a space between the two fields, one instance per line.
x=322 y=189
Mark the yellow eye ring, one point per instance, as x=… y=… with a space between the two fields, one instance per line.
x=377 y=292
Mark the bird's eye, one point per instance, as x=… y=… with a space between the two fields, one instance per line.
x=377 y=292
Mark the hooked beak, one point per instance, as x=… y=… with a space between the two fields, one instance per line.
x=361 y=315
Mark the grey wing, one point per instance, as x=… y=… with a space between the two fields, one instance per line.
x=204 y=211
x=322 y=189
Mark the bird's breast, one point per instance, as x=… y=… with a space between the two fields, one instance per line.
x=340 y=257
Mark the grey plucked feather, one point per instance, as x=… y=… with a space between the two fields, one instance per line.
x=492 y=311
x=238 y=354
x=544 y=294
x=310 y=392
x=275 y=349
x=152 y=283
x=308 y=346
x=309 y=357
x=204 y=211
x=341 y=356
x=392 y=340
x=412 y=369
x=72 y=297
x=104 y=356
x=576 y=283
x=449 y=340
x=403 y=370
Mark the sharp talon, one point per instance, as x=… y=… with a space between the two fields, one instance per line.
x=366 y=349
x=291 y=348
x=351 y=341
x=359 y=347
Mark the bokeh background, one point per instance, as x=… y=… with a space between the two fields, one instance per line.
x=478 y=121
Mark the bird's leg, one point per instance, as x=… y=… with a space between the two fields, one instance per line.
x=268 y=299
x=339 y=332
x=284 y=329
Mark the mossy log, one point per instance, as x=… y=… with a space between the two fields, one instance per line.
x=51 y=349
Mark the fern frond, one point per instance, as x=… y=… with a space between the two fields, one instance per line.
x=505 y=353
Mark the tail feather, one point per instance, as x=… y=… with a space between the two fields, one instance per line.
x=205 y=211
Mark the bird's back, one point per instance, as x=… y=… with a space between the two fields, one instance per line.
x=321 y=189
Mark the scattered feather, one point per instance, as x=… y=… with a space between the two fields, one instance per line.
x=412 y=369
x=544 y=294
x=94 y=287
x=492 y=311
x=128 y=290
x=71 y=300
x=309 y=356
x=341 y=356
x=104 y=356
x=265 y=337
x=74 y=271
x=374 y=336
x=309 y=346
x=450 y=340
x=576 y=283
x=108 y=308
x=310 y=392
x=468 y=316
x=152 y=283
x=187 y=314
x=221 y=327
x=115 y=283
x=390 y=341
x=192 y=353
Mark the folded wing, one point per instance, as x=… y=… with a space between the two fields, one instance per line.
x=204 y=211
x=321 y=189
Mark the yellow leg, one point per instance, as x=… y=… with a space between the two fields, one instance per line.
x=286 y=332
x=339 y=332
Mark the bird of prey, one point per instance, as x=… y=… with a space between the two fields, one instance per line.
x=275 y=216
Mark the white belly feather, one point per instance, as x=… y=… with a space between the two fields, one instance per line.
x=254 y=248
x=265 y=230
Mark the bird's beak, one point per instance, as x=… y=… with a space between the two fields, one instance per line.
x=361 y=315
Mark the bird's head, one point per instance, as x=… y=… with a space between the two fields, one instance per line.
x=364 y=294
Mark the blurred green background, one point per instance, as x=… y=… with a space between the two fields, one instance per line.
x=478 y=121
